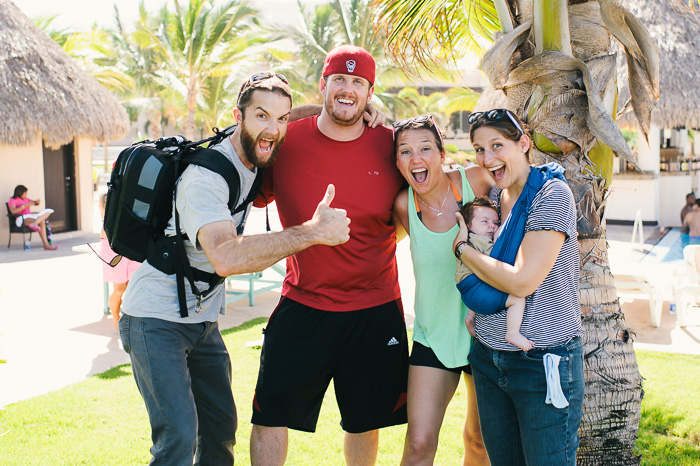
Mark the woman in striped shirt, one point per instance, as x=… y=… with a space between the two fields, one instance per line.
x=529 y=402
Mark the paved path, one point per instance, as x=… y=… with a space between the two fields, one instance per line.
x=53 y=331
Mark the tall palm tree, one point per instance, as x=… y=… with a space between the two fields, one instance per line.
x=142 y=62
x=554 y=60
x=199 y=41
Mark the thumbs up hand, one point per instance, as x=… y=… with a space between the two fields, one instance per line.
x=331 y=224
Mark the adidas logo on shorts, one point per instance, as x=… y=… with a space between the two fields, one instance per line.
x=393 y=341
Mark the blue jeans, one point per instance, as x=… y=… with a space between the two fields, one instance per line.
x=183 y=372
x=517 y=426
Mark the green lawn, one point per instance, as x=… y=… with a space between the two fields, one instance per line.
x=102 y=420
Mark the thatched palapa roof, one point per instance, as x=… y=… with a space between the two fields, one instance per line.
x=677 y=35
x=44 y=91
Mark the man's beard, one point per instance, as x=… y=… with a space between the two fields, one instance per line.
x=341 y=120
x=250 y=144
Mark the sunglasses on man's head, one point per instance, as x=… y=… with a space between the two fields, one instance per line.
x=494 y=115
x=423 y=120
x=256 y=78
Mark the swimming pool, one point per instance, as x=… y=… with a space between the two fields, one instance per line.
x=675 y=250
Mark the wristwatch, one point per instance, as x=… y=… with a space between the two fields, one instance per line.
x=458 y=249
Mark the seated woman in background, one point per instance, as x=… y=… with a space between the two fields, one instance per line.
x=19 y=205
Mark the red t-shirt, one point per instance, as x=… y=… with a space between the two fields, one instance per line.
x=361 y=273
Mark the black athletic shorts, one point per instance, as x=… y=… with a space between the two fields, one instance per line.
x=365 y=352
x=421 y=355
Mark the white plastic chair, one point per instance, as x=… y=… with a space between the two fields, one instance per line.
x=638 y=285
x=688 y=293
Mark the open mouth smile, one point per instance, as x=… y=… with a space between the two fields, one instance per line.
x=345 y=102
x=265 y=145
x=420 y=174
x=498 y=171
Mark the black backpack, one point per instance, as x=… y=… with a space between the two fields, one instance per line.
x=140 y=200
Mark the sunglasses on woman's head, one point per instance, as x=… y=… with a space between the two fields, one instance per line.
x=423 y=120
x=494 y=115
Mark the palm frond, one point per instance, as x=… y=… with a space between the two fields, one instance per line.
x=422 y=31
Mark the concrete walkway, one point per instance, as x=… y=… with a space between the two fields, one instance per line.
x=53 y=331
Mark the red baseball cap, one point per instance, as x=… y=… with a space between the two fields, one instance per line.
x=350 y=59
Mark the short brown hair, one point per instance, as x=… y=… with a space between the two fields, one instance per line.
x=469 y=208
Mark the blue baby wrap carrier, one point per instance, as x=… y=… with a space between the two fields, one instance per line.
x=481 y=297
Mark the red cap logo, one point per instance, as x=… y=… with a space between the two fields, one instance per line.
x=350 y=59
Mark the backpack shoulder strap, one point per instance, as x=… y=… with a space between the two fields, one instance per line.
x=254 y=190
x=217 y=162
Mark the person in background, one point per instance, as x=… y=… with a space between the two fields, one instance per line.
x=687 y=208
x=118 y=275
x=691 y=222
x=19 y=205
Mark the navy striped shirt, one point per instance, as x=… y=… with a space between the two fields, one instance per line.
x=552 y=312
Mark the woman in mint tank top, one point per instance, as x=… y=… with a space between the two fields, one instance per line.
x=426 y=212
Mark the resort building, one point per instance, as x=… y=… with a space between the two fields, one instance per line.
x=671 y=159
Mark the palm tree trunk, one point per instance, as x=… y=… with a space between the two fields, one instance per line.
x=191 y=109
x=155 y=127
x=612 y=406
x=612 y=403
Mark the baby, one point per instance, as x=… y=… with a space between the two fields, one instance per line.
x=481 y=217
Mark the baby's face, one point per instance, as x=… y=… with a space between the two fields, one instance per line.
x=484 y=222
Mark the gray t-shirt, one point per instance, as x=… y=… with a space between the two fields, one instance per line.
x=202 y=198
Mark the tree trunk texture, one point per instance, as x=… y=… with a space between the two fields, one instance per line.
x=191 y=109
x=155 y=128
x=612 y=403
x=612 y=406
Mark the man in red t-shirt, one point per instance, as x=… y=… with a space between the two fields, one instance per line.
x=340 y=316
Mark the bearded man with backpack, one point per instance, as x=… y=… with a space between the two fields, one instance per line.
x=180 y=364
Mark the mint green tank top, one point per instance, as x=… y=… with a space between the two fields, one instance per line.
x=440 y=313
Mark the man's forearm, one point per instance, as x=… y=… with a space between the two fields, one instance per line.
x=231 y=254
x=246 y=254
x=304 y=111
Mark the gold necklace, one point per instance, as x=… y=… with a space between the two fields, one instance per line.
x=439 y=211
